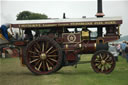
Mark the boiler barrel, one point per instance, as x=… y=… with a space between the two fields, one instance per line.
x=92 y=47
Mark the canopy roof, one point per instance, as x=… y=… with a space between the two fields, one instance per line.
x=67 y=22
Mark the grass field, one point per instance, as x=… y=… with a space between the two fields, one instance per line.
x=12 y=73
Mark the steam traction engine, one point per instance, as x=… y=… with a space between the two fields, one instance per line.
x=59 y=42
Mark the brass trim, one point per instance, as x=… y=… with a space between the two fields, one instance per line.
x=95 y=45
x=101 y=38
x=71 y=42
x=66 y=46
x=80 y=45
x=1 y=36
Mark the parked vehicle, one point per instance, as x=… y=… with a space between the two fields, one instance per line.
x=60 y=42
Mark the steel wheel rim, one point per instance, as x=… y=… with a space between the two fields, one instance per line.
x=103 y=62
x=42 y=56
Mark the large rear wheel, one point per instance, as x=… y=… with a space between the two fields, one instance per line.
x=43 y=56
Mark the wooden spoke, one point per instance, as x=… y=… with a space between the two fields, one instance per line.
x=97 y=64
x=101 y=57
x=110 y=63
x=52 y=55
x=38 y=45
x=106 y=57
x=32 y=52
x=50 y=62
x=49 y=50
x=39 y=65
x=100 y=67
x=53 y=51
x=37 y=50
x=35 y=56
x=97 y=60
x=109 y=60
x=108 y=66
x=53 y=59
x=43 y=47
x=105 y=68
x=47 y=66
x=33 y=60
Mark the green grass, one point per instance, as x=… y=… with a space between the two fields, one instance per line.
x=12 y=73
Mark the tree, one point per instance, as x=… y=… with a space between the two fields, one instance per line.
x=27 y=15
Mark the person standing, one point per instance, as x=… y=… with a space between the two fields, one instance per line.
x=113 y=50
x=4 y=30
x=126 y=51
x=123 y=46
x=28 y=34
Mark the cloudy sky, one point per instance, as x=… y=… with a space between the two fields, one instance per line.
x=73 y=9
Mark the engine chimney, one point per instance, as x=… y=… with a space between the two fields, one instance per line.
x=99 y=9
x=99 y=14
x=64 y=16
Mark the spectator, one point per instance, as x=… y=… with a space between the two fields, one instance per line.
x=123 y=46
x=113 y=50
x=4 y=30
x=28 y=34
x=119 y=48
x=126 y=51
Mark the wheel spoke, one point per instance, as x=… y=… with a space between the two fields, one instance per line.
x=37 y=50
x=52 y=55
x=33 y=60
x=97 y=64
x=43 y=47
x=105 y=68
x=32 y=52
x=110 y=63
x=109 y=60
x=50 y=62
x=35 y=56
x=97 y=60
x=53 y=51
x=100 y=67
x=53 y=60
x=39 y=65
x=49 y=50
x=47 y=66
x=100 y=55
x=103 y=56
x=106 y=57
x=108 y=66
x=38 y=46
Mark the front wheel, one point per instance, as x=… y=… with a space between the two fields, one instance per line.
x=103 y=62
x=43 y=56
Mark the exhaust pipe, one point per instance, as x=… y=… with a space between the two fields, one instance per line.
x=98 y=15
x=99 y=9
